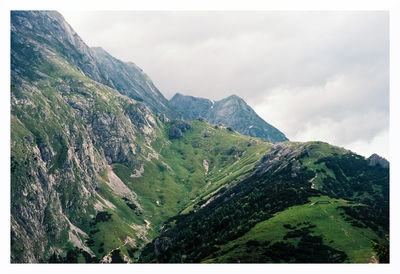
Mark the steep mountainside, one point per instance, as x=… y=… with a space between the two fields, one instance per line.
x=99 y=176
x=231 y=111
x=66 y=131
x=131 y=81
x=49 y=30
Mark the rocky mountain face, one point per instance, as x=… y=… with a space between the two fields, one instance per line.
x=375 y=160
x=98 y=174
x=131 y=81
x=231 y=111
x=51 y=30
x=66 y=131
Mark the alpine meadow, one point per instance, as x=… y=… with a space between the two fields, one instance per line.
x=105 y=169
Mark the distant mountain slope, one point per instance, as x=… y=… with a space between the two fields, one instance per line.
x=231 y=111
x=130 y=80
x=50 y=29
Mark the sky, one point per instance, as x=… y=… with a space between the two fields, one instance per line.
x=313 y=75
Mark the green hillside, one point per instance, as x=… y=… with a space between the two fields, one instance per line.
x=270 y=216
x=177 y=177
x=97 y=176
x=322 y=217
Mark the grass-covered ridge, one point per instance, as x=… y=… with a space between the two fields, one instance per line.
x=271 y=212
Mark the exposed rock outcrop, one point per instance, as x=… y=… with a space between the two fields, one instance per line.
x=65 y=130
x=376 y=160
x=281 y=156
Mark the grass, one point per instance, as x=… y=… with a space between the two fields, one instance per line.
x=113 y=232
x=317 y=150
x=329 y=222
x=171 y=183
x=164 y=192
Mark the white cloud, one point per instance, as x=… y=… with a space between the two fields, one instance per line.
x=313 y=75
x=379 y=144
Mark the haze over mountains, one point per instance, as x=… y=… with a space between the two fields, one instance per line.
x=99 y=173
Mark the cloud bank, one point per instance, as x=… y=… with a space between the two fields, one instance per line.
x=314 y=75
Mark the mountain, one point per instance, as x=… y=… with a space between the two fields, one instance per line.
x=92 y=170
x=99 y=176
x=231 y=111
x=49 y=30
x=66 y=131
x=131 y=81
x=303 y=203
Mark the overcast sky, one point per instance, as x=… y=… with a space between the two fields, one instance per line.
x=313 y=75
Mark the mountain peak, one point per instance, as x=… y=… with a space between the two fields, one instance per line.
x=231 y=111
x=180 y=95
x=233 y=97
x=99 y=50
x=195 y=107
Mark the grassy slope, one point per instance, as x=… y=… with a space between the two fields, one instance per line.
x=331 y=222
x=178 y=178
x=336 y=232
x=319 y=150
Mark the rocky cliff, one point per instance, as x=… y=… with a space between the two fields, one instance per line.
x=66 y=129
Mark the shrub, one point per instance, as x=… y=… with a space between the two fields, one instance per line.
x=174 y=133
x=116 y=257
x=102 y=216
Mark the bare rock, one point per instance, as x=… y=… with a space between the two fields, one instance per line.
x=376 y=160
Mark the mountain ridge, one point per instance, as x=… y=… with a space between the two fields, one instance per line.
x=231 y=111
x=52 y=31
x=130 y=80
